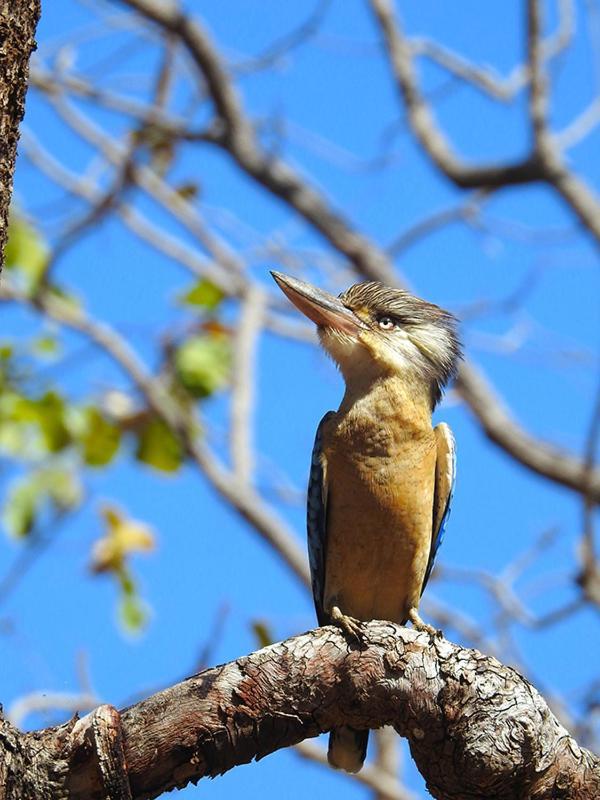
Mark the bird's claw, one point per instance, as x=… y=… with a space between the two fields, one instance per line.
x=419 y=625
x=349 y=625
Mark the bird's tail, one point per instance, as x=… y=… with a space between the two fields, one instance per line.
x=347 y=748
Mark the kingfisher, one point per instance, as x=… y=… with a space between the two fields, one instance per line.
x=381 y=476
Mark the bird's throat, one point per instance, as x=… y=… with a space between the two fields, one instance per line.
x=398 y=401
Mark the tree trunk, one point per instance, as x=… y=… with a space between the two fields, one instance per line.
x=476 y=728
x=18 y=21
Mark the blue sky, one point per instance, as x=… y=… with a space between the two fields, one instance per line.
x=336 y=86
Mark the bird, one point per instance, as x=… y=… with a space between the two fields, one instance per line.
x=381 y=476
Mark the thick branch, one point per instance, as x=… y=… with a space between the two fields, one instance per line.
x=553 y=463
x=475 y=727
x=18 y=21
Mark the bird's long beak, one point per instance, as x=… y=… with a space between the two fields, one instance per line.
x=321 y=307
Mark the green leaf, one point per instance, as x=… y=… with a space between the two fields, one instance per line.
x=100 y=439
x=20 y=509
x=56 y=488
x=133 y=614
x=46 y=346
x=62 y=488
x=47 y=414
x=159 y=447
x=133 y=611
x=203 y=364
x=51 y=419
x=204 y=294
x=26 y=251
x=6 y=350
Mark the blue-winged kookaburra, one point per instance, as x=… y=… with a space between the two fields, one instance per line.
x=381 y=477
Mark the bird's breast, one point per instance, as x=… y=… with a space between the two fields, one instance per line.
x=380 y=479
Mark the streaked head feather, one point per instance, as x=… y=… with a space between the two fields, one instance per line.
x=423 y=341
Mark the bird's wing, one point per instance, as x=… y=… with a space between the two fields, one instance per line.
x=316 y=521
x=445 y=475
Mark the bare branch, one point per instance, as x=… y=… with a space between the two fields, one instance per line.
x=166 y=243
x=36 y=702
x=423 y=123
x=243 y=378
x=551 y=462
x=467 y=211
x=475 y=727
x=149 y=180
x=239 y=140
x=538 y=89
x=387 y=756
x=580 y=127
x=485 y=78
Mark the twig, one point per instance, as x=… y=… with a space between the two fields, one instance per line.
x=40 y=702
x=485 y=78
x=424 y=126
x=243 y=377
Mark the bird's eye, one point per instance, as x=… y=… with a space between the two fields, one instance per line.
x=386 y=323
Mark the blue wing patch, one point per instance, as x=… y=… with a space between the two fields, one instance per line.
x=316 y=522
x=445 y=478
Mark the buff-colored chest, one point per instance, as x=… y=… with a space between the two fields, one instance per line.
x=380 y=470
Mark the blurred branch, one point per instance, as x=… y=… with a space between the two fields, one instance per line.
x=589 y=578
x=423 y=123
x=243 y=379
x=544 y=459
x=485 y=78
x=152 y=183
x=287 y=43
x=387 y=759
x=386 y=786
x=241 y=497
x=85 y=188
x=43 y=702
x=238 y=138
x=466 y=211
x=543 y=164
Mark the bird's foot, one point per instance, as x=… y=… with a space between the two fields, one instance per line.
x=350 y=626
x=419 y=625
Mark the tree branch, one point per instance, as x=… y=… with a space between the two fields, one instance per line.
x=243 y=498
x=18 y=21
x=238 y=138
x=553 y=463
x=423 y=123
x=475 y=727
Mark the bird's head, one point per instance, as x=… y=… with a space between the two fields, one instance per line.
x=374 y=331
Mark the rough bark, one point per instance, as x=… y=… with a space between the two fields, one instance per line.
x=476 y=728
x=18 y=22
